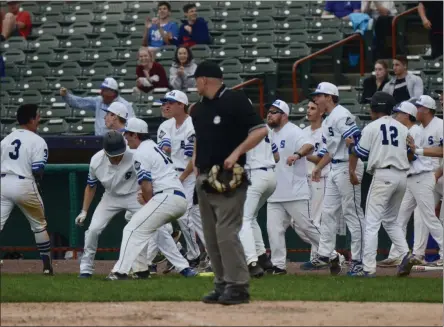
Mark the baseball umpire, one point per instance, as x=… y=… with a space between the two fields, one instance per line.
x=226 y=126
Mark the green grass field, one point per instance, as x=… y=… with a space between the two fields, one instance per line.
x=68 y=288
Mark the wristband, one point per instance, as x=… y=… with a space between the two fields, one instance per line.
x=300 y=155
x=419 y=151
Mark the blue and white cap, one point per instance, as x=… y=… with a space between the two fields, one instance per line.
x=118 y=109
x=136 y=125
x=110 y=83
x=176 y=96
x=326 y=88
x=282 y=105
x=426 y=101
x=407 y=108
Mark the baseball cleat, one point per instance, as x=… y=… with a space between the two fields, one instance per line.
x=361 y=273
x=314 y=264
x=422 y=261
x=189 y=272
x=116 y=276
x=355 y=268
x=212 y=297
x=48 y=272
x=141 y=275
x=335 y=266
x=255 y=270
x=389 y=262
x=406 y=265
x=85 y=275
x=153 y=269
x=277 y=271
x=194 y=263
x=265 y=262
x=233 y=297
x=437 y=263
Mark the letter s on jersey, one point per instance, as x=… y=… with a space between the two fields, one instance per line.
x=430 y=140
x=282 y=144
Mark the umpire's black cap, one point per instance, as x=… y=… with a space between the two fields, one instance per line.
x=209 y=69
x=382 y=102
x=114 y=144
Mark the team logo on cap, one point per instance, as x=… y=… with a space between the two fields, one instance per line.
x=277 y=103
x=172 y=93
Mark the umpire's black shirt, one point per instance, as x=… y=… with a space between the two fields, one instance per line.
x=221 y=125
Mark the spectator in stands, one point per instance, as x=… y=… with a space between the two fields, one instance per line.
x=404 y=85
x=382 y=12
x=341 y=9
x=182 y=70
x=160 y=31
x=15 y=22
x=431 y=13
x=194 y=30
x=108 y=95
x=150 y=74
x=375 y=82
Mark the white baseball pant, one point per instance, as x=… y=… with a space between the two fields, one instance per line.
x=263 y=184
x=341 y=193
x=186 y=221
x=161 y=209
x=280 y=215
x=108 y=207
x=419 y=193
x=383 y=202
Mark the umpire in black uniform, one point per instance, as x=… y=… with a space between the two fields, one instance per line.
x=226 y=126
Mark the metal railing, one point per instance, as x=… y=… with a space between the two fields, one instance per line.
x=261 y=92
x=353 y=37
x=394 y=22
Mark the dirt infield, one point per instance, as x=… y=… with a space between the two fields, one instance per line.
x=257 y=313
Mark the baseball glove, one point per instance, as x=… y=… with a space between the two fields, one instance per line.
x=225 y=180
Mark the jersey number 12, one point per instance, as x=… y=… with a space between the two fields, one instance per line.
x=393 y=135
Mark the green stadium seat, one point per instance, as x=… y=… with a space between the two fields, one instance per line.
x=108 y=27
x=77 y=28
x=232 y=66
x=263 y=23
x=69 y=55
x=290 y=11
x=126 y=84
x=433 y=66
x=347 y=92
x=47 y=29
x=84 y=126
x=223 y=13
x=39 y=68
x=261 y=50
x=416 y=63
x=92 y=83
x=7 y=112
x=68 y=68
x=55 y=126
x=137 y=6
x=43 y=55
x=291 y=23
x=32 y=83
x=28 y=96
x=4 y=97
x=131 y=98
x=166 y=53
x=231 y=80
x=73 y=6
x=347 y=27
x=104 y=40
x=315 y=8
x=351 y=104
x=299 y=109
x=9 y=127
x=318 y=24
x=155 y=95
x=125 y=54
x=201 y=51
x=7 y=83
x=204 y=11
x=14 y=42
x=112 y=6
x=99 y=68
x=50 y=17
x=108 y=16
x=259 y=11
x=53 y=99
x=230 y=37
x=30 y=6
x=14 y=55
x=98 y=55
x=227 y=4
x=326 y=37
x=53 y=6
x=257 y=37
x=149 y=111
x=260 y=66
x=295 y=50
x=74 y=42
x=228 y=51
x=435 y=82
x=44 y=42
x=12 y=70
x=69 y=82
x=227 y=25
x=81 y=16
x=126 y=69
x=82 y=113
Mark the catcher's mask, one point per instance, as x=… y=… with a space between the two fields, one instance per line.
x=224 y=181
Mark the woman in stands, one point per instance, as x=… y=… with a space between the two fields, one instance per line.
x=182 y=70
x=375 y=82
x=150 y=74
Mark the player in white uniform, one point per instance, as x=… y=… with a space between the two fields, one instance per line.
x=162 y=191
x=289 y=203
x=420 y=186
x=260 y=167
x=24 y=156
x=339 y=193
x=384 y=143
x=175 y=137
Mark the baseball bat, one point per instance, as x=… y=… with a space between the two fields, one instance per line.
x=426 y=268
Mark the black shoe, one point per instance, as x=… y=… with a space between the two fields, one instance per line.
x=277 y=271
x=48 y=272
x=194 y=263
x=212 y=297
x=255 y=270
x=265 y=262
x=116 y=276
x=141 y=275
x=335 y=266
x=233 y=296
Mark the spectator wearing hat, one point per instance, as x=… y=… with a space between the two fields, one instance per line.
x=341 y=9
x=431 y=13
x=404 y=85
x=109 y=94
x=194 y=30
x=150 y=74
x=160 y=31
x=15 y=22
x=226 y=126
x=182 y=70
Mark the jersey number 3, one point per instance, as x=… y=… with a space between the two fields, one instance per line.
x=393 y=135
x=15 y=154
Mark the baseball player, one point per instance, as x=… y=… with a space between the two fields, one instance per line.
x=162 y=192
x=420 y=187
x=24 y=156
x=116 y=116
x=384 y=143
x=175 y=137
x=339 y=192
x=261 y=161
x=289 y=203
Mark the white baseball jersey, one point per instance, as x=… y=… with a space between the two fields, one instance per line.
x=291 y=180
x=22 y=153
x=384 y=142
x=181 y=140
x=421 y=163
x=316 y=138
x=116 y=179
x=153 y=165
x=433 y=134
x=261 y=156
x=338 y=125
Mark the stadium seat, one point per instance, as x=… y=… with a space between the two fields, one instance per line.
x=132 y=98
x=32 y=83
x=348 y=92
x=108 y=27
x=193 y=97
x=73 y=6
x=70 y=55
x=14 y=42
x=201 y=51
x=126 y=84
x=167 y=52
x=351 y=104
x=257 y=37
x=99 y=68
x=261 y=50
x=156 y=95
x=49 y=17
x=44 y=42
x=433 y=66
x=39 y=68
x=223 y=13
x=53 y=127
x=290 y=37
x=93 y=83
x=7 y=112
x=128 y=68
x=43 y=55
x=53 y=99
x=28 y=96
x=104 y=40
x=30 y=6
x=74 y=41
x=260 y=66
x=76 y=28
x=435 y=82
x=291 y=23
x=4 y=97
x=230 y=37
x=7 y=84
x=47 y=29
x=137 y=6
x=81 y=16
x=12 y=70
x=68 y=68
x=299 y=109
x=14 y=55
x=227 y=4
x=318 y=24
x=228 y=51
x=231 y=66
x=69 y=82
x=124 y=54
x=53 y=6
x=263 y=23
x=229 y=24
x=98 y=55
x=108 y=16
x=148 y=111
x=8 y=128
x=205 y=12
x=113 y=6
x=326 y=37
x=259 y=11
x=289 y=11
x=295 y=50
x=416 y=63
x=231 y=80
x=82 y=113
x=84 y=126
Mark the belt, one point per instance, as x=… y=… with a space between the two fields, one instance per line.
x=180 y=169
x=388 y=167
x=19 y=177
x=334 y=161
x=176 y=192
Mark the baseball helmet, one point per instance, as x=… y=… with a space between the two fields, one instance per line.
x=114 y=144
x=382 y=102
